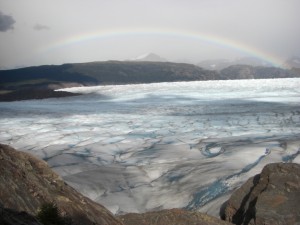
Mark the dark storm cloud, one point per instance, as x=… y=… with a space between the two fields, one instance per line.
x=40 y=27
x=6 y=22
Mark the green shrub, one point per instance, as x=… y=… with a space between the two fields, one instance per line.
x=49 y=215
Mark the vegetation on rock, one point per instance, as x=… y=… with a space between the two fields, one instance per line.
x=49 y=214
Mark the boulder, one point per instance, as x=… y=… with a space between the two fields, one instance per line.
x=269 y=198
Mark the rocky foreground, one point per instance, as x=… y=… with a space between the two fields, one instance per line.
x=171 y=217
x=272 y=197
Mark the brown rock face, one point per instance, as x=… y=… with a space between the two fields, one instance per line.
x=270 y=198
x=26 y=183
x=171 y=217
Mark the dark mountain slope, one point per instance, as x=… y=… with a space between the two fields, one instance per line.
x=43 y=73
x=116 y=72
x=110 y=72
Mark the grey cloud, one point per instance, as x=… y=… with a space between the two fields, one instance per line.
x=6 y=22
x=40 y=27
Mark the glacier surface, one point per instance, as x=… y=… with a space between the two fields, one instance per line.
x=136 y=148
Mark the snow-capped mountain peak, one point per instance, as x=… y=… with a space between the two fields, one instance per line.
x=149 y=57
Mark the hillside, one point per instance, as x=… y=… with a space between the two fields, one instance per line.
x=39 y=82
x=110 y=72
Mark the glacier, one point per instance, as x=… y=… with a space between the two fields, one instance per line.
x=143 y=147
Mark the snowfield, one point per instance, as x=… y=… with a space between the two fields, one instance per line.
x=136 y=148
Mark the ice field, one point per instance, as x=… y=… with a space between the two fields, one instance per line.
x=136 y=148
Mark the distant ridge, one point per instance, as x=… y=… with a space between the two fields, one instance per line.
x=293 y=62
x=219 y=64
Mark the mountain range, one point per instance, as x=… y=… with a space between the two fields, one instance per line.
x=219 y=64
x=41 y=81
x=293 y=62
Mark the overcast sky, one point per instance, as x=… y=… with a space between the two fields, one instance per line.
x=36 y=32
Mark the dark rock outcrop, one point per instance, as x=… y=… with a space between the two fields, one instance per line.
x=31 y=93
x=11 y=217
x=269 y=198
x=171 y=217
x=26 y=183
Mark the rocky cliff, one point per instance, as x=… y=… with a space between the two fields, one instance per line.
x=26 y=183
x=269 y=198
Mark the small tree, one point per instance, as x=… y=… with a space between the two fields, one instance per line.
x=49 y=215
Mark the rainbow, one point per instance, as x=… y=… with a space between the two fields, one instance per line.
x=202 y=37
